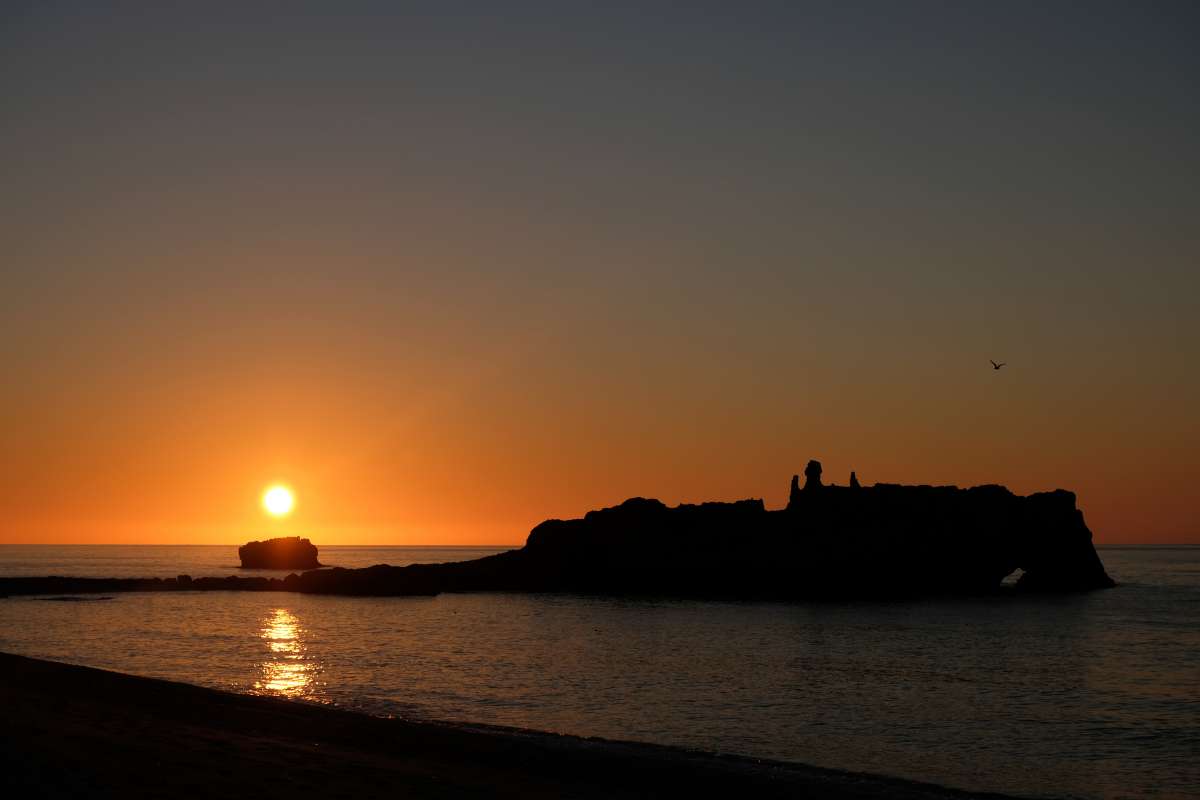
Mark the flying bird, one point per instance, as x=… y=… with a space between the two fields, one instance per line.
x=995 y=365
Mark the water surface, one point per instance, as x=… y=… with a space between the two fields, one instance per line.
x=199 y=560
x=1094 y=695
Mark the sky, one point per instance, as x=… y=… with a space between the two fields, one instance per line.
x=449 y=269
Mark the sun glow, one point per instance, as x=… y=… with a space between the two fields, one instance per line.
x=278 y=500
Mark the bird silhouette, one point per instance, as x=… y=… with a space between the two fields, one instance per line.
x=995 y=365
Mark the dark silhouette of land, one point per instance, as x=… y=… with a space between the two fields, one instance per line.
x=882 y=542
x=285 y=553
x=70 y=731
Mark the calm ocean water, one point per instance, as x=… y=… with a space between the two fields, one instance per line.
x=199 y=560
x=1095 y=695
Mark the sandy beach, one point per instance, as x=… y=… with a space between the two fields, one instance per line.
x=71 y=731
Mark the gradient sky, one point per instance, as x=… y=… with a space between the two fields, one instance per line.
x=452 y=268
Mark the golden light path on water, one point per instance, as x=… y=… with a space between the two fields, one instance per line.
x=286 y=671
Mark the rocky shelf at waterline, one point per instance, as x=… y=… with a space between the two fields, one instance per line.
x=882 y=542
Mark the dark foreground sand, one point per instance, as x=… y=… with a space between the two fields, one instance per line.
x=70 y=731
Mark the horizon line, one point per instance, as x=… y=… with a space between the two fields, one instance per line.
x=436 y=546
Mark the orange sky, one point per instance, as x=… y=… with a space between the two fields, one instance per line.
x=448 y=277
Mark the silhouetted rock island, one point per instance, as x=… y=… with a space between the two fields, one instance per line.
x=290 y=552
x=884 y=541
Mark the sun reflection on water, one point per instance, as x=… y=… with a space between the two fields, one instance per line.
x=287 y=671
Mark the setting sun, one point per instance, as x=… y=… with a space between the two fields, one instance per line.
x=278 y=500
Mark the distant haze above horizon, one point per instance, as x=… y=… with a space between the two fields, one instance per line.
x=449 y=269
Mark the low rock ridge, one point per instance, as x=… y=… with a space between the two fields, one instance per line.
x=884 y=541
x=880 y=542
x=289 y=552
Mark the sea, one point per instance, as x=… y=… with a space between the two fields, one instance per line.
x=1093 y=695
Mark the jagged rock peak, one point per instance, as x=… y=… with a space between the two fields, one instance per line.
x=812 y=475
x=854 y=484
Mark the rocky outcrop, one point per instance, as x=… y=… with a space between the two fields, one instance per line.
x=812 y=476
x=794 y=492
x=812 y=482
x=884 y=541
x=284 y=553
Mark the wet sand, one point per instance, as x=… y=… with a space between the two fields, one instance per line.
x=71 y=731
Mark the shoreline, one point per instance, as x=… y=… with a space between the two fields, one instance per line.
x=70 y=731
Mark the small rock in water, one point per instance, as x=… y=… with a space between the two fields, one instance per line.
x=290 y=552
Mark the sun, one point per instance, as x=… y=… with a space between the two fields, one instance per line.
x=278 y=500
